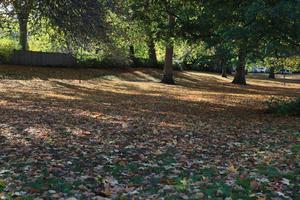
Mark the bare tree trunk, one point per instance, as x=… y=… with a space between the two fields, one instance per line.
x=23 y=31
x=168 y=68
x=152 y=51
x=240 y=76
x=272 y=73
x=224 y=70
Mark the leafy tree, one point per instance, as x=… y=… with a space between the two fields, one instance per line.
x=162 y=17
x=249 y=27
x=81 y=20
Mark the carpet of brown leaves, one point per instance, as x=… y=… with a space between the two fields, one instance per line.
x=107 y=133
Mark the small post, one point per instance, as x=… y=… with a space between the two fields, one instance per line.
x=81 y=58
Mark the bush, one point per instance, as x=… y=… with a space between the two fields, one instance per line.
x=7 y=47
x=89 y=62
x=146 y=63
x=284 y=107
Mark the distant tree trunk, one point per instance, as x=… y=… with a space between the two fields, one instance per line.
x=152 y=51
x=240 y=75
x=131 y=51
x=23 y=32
x=229 y=70
x=224 y=69
x=132 y=54
x=272 y=73
x=168 y=68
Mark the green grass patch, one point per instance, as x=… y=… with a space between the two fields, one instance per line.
x=56 y=184
x=2 y=185
x=269 y=171
x=296 y=148
x=284 y=107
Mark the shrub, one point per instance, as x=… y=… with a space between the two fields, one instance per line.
x=89 y=62
x=284 y=107
x=146 y=63
x=7 y=47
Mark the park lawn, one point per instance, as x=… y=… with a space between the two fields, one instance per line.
x=120 y=134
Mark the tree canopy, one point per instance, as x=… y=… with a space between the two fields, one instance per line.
x=231 y=33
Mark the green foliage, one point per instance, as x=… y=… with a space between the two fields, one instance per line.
x=284 y=107
x=7 y=47
x=115 y=59
x=206 y=35
x=2 y=185
x=142 y=62
x=291 y=63
x=296 y=148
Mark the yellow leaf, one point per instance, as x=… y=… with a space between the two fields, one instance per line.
x=158 y=152
x=232 y=169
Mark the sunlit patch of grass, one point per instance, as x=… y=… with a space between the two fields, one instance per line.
x=62 y=96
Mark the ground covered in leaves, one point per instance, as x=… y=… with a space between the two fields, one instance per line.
x=120 y=134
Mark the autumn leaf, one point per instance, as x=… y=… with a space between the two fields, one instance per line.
x=118 y=135
x=168 y=181
x=34 y=190
x=232 y=169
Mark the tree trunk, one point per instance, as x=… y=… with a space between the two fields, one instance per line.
x=272 y=73
x=152 y=51
x=168 y=68
x=131 y=51
x=223 y=68
x=23 y=28
x=132 y=55
x=240 y=75
x=23 y=9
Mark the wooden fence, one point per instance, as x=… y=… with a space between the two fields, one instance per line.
x=31 y=58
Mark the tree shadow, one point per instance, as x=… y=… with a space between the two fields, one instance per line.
x=105 y=127
x=212 y=83
x=46 y=73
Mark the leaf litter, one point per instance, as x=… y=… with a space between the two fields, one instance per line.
x=131 y=138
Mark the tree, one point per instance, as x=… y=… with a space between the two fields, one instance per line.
x=168 y=68
x=240 y=76
x=251 y=26
x=272 y=72
x=89 y=16
x=160 y=17
x=152 y=50
x=23 y=9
